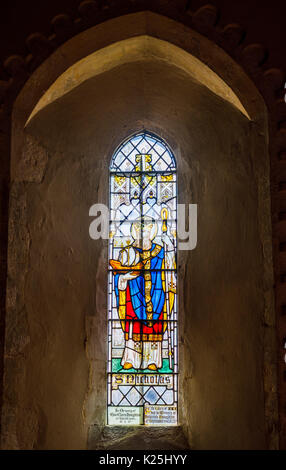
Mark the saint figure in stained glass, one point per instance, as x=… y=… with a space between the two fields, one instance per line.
x=142 y=320
x=140 y=287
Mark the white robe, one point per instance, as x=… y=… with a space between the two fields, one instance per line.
x=142 y=353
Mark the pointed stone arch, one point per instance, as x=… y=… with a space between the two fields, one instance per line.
x=204 y=20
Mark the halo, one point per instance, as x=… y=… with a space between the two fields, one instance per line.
x=136 y=225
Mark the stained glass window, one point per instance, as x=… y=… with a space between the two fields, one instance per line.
x=142 y=302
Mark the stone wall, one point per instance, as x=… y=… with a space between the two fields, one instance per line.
x=55 y=357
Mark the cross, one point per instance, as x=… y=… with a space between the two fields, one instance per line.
x=144 y=159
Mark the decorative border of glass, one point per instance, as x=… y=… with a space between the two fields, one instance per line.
x=142 y=366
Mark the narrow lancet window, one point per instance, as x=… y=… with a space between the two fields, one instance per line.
x=142 y=314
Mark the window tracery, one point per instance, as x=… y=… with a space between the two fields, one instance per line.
x=142 y=316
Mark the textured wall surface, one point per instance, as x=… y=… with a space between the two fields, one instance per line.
x=55 y=384
x=252 y=34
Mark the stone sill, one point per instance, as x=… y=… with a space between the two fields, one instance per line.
x=137 y=438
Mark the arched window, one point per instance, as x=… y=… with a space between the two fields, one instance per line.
x=142 y=317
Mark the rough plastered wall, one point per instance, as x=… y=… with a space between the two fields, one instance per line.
x=55 y=382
